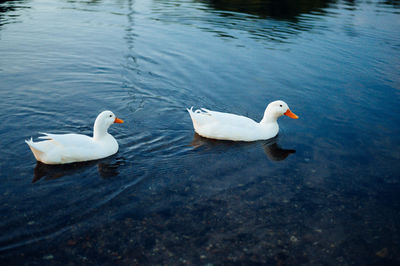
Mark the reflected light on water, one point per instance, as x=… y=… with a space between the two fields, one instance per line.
x=324 y=192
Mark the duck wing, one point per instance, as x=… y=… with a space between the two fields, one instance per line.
x=69 y=140
x=65 y=148
x=230 y=119
x=218 y=125
x=203 y=117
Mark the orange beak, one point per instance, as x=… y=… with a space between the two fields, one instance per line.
x=290 y=114
x=118 y=121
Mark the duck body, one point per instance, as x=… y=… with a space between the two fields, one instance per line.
x=226 y=126
x=69 y=148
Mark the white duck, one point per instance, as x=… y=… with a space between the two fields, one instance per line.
x=225 y=126
x=69 y=148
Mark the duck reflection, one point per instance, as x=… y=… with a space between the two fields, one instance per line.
x=271 y=148
x=283 y=9
x=107 y=167
x=275 y=152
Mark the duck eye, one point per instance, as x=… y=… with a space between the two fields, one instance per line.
x=110 y=115
x=280 y=105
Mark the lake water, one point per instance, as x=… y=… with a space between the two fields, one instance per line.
x=326 y=191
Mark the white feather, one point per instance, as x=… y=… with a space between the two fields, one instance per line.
x=68 y=148
x=226 y=126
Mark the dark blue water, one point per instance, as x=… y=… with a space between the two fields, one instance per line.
x=326 y=191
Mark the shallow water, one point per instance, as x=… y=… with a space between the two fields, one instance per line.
x=325 y=191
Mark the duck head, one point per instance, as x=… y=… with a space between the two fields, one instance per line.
x=275 y=110
x=103 y=121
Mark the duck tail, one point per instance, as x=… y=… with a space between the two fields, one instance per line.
x=46 y=136
x=34 y=148
x=191 y=113
x=190 y=110
x=199 y=117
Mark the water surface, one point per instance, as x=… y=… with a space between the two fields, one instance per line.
x=325 y=191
